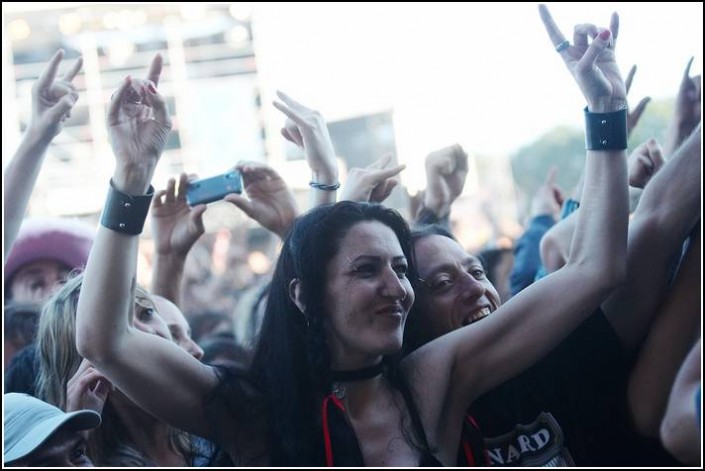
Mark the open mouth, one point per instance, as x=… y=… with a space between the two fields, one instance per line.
x=481 y=314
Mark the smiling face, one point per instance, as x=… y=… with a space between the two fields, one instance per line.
x=368 y=296
x=456 y=291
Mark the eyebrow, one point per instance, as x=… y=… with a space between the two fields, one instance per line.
x=377 y=258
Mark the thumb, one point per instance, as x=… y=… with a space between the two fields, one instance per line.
x=61 y=107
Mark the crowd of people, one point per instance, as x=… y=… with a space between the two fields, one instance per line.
x=375 y=341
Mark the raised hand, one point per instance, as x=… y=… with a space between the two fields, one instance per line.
x=307 y=129
x=269 y=201
x=175 y=225
x=634 y=115
x=644 y=162
x=592 y=64
x=138 y=126
x=373 y=183
x=686 y=113
x=446 y=171
x=52 y=99
x=548 y=198
x=87 y=389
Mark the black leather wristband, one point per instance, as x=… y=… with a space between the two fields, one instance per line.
x=126 y=213
x=606 y=131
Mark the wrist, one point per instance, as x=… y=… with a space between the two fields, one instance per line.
x=133 y=180
x=438 y=207
x=325 y=177
x=607 y=105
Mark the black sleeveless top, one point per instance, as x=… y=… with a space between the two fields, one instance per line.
x=341 y=445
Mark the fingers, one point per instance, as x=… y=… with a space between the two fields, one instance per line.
x=157 y=199
x=290 y=102
x=551 y=28
x=170 y=197
x=102 y=389
x=196 y=216
x=655 y=154
x=62 y=107
x=49 y=73
x=155 y=69
x=581 y=33
x=116 y=101
x=614 y=28
x=183 y=186
x=381 y=162
x=637 y=112
x=158 y=105
x=291 y=133
x=630 y=77
x=288 y=112
x=74 y=70
x=598 y=45
x=461 y=158
x=389 y=172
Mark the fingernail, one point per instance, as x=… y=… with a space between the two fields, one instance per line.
x=152 y=88
x=605 y=35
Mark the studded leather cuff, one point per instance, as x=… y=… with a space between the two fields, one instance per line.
x=126 y=213
x=606 y=131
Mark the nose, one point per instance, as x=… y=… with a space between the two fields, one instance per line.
x=194 y=349
x=471 y=287
x=393 y=286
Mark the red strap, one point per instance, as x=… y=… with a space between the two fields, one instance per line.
x=326 y=429
x=469 y=457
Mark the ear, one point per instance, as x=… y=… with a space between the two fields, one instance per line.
x=295 y=294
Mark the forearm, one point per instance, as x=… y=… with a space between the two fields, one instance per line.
x=599 y=242
x=106 y=298
x=19 y=180
x=168 y=276
x=669 y=208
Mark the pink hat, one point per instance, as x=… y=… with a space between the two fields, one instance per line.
x=67 y=241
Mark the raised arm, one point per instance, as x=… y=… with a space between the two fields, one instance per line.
x=153 y=372
x=52 y=101
x=668 y=209
x=486 y=353
x=176 y=227
x=307 y=129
